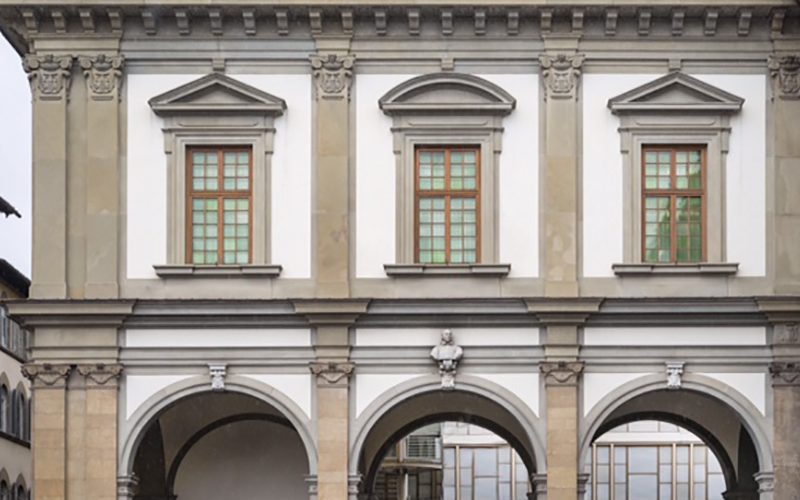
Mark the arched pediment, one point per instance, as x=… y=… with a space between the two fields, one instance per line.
x=216 y=93
x=447 y=93
x=676 y=91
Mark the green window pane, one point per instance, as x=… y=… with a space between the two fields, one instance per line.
x=198 y=158
x=242 y=217
x=242 y=257
x=651 y=183
x=242 y=184
x=198 y=184
x=198 y=258
x=212 y=184
x=229 y=258
x=228 y=184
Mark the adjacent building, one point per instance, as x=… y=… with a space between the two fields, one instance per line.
x=272 y=239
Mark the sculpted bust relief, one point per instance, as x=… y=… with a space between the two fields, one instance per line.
x=447 y=354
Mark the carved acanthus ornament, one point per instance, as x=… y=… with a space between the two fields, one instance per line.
x=100 y=374
x=785 y=71
x=46 y=374
x=103 y=76
x=331 y=372
x=561 y=74
x=447 y=355
x=49 y=76
x=333 y=74
x=785 y=373
x=561 y=372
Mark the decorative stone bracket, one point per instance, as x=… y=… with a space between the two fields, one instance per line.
x=46 y=375
x=333 y=74
x=785 y=373
x=217 y=373
x=561 y=74
x=103 y=76
x=447 y=355
x=563 y=373
x=332 y=372
x=100 y=374
x=785 y=72
x=49 y=76
x=674 y=373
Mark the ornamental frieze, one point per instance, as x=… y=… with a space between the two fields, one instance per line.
x=785 y=72
x=331 y=372
x=561 y=372
x=103 y=75
x=333 y=74
x=49 y=76
x=561 y=74
x=100 y=374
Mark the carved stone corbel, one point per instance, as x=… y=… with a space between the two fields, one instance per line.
x=785 y=72
x=561 y=74
x=332 y=372
x=563 y=373
x=49 y=76
x=100 y=374
x=217 y=373
x=46 y=375
x=785 y=373
x=674 y=374
x=103 y=76
x=333 y=74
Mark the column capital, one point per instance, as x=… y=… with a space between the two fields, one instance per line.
x=103 y=75
x=49 y=76
x=127 y=486
x=561 y=73
x=312 y=483
x=333 y=74
x=766 y=481
x=785 y=373
x=785 y=72
x=101 y=375
x=46 y=375
x=332 y=373
x=561 y=373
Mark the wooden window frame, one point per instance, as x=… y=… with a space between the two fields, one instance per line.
x=673 y=193
x=448 y=194
x=220 y=194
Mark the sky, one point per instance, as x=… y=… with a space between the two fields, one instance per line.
x=15 y=158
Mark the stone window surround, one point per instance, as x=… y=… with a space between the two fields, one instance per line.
x=448 y=122
x=242 y=125
x=675 y=124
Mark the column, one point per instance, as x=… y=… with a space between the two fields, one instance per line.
x=332 y=70
x=50 y=77
x=103 y=75
x=49 y=432
x=561 y=74
x=785 y=372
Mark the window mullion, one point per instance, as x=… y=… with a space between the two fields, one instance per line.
x=447 y=195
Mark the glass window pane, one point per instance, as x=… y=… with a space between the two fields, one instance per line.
x=643 y=487
x=643 y=459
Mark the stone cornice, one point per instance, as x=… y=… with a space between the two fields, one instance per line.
x=780 y=309
x=331 y=312
x=563 y=311
x=97 y=313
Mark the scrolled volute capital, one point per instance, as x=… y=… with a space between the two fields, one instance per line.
x=785 y=373
x=46 y=374
x=49 y=75
x=785 y=72
x=332 y=372
x=561 y=372
x=333 y=74
x=103 y=75
x=101 y=374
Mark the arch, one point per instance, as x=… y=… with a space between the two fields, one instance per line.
x=447 y=92
x=20 y=406
x=165 y=398
x=523 y=437
x=598 y=418
x=5 y=407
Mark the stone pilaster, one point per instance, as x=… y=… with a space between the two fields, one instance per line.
x=560 y=78
x=786 y=418
x=50 y=77
x=332 y=71
x=103 y=75
x=49 y=433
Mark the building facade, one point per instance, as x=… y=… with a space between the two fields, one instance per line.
x=271 y=239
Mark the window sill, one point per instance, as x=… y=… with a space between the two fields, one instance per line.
x=246 y=271
x=702 y=269
x=489 y=270
x=14 y=439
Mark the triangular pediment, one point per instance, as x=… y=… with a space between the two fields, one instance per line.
x=447 y=92
x=676 y=91
x=216 y=93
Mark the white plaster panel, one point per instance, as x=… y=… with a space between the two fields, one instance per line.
x=370 y=386
x=596 y=386
x=518 y=202
x=10 y=367
x=138 y=388
x=523 y=385
x=377 y=337
x=753 y=386
x=219 y=337
x=603 y=182
x=291 y=174
x=675 y=336
x=375 y=177
x=295 y=386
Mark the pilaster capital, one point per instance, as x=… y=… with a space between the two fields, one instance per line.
x=561 y=373
x=332 y=373
x=101 y=374
x=785 y=72
x=46 y=375
x=333 y=74
x=785 y=373
x=786 y=334
x=766 y=481
x=103 y=75
x=49 y=76
x=127 y=487
x=561 y=74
